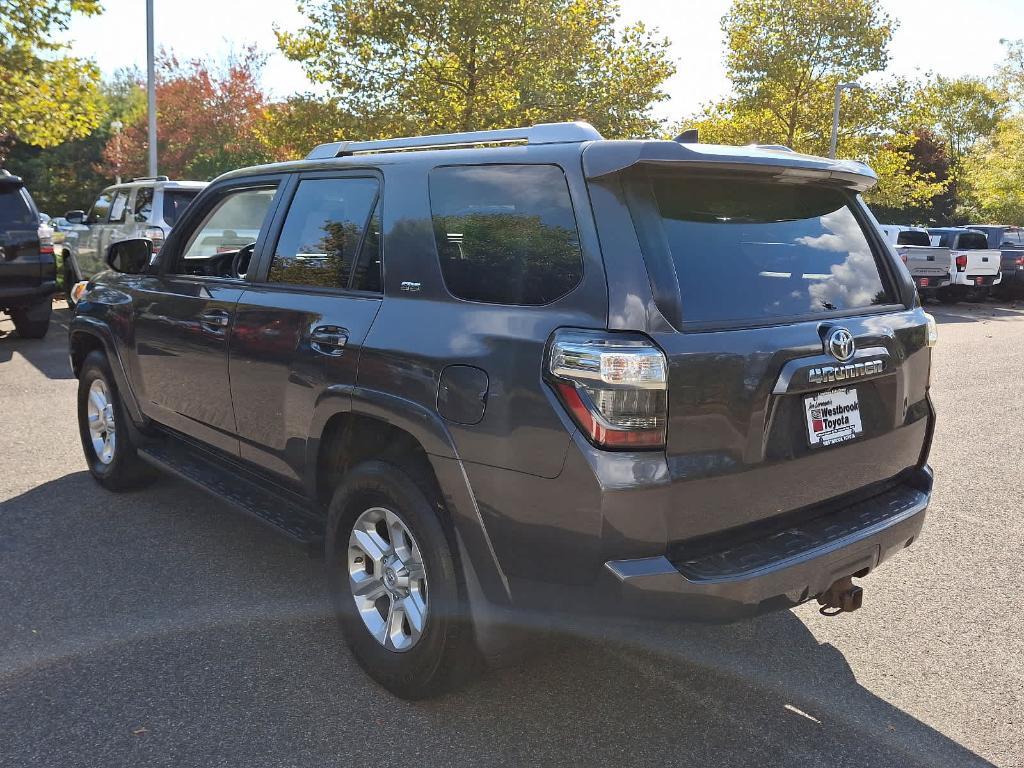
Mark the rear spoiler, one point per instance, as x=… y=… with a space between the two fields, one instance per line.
x=10 y=180
x=604 y=158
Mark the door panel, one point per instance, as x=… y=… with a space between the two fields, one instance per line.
x=278 y=374
x=182 y=330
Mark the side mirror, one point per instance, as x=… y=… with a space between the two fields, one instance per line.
x=75 y=217
x=131 y=257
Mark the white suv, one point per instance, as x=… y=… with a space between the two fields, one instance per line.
x=145 y=207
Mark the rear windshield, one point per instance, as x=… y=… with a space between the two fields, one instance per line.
x=15 y=211
x=175 y=201
x=972 y=241
x=746 y=249
x=910 y=237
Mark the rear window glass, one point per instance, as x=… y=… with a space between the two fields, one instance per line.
x=175 y=201
x=505 y=234
x=913 y=238
x=14 y=209
x=972 y=241
x=745 y=249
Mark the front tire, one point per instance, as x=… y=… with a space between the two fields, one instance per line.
x=396 y=583
x=106 y=431
x=69 y=281
x=33 y=321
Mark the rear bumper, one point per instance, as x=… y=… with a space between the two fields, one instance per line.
x=18 y=295
x=777 y=570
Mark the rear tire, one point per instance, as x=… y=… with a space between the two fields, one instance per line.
x=33 y=321
x=411 y=663
x=108 y=436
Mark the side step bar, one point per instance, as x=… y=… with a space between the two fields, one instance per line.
x=277 y=507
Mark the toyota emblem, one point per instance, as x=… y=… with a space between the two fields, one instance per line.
x=840 y=344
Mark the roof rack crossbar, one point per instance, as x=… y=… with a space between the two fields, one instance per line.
x=543 y=133
x=150 y=178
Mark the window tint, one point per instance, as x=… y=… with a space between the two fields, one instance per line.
x=15 y=211
x=972 y=241
x=234 y=223
x=910 y=237
x=505 y=234
x=100 y=208
x=746 y=249
x=143 y=203
x=322 y=232
x=117 y=208
x=367 y=273
x=175 y=201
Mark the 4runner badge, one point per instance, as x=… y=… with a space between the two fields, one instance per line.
x=840 y=344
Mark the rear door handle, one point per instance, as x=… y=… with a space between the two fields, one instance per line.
x=329 y=340
x=215 y=319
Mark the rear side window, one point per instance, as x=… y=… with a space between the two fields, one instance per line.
x=505 y=234
x=910 y=237
x=322 y=232
x=750 y=250
x=143 y=203
x=15 y=212
x=175 y=202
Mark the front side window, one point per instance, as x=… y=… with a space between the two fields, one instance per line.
x=233 y=224
x=505 y=234
x=100 y=208
x=117 y=208
x=323 y=231
x=747 y=249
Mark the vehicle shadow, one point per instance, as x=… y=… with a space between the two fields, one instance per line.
x=158 y=627
x=50 y=357
x=973 y=312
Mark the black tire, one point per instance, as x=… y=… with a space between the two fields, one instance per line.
x=445 y=654
x=33 y=321
x=125 y=469
x=69 y=281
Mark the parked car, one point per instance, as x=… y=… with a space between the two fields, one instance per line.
x=1010 y=242
x=931 y=267
x=975 y=265
x=27 y=270
x=536 y=372
x=143 y=207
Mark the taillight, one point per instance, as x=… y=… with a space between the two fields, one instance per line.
x=157 y=236
x=904 y=257
x=961 y=262
x=613 y=385
x=45 y=240
x=1020 y=262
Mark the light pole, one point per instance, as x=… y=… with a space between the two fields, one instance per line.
x=116 y=127
x=151 y=87
x=840 y=87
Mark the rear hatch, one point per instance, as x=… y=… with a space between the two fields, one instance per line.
x=797 y=374
x=20 y=265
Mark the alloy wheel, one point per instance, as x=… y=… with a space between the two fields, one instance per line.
x=387 y=579
x=102 y=429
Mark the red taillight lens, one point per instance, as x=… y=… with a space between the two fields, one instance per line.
x=961 y=262
x=45 y=240
x=1020 y=261
x=157 y=236
x=614 y=387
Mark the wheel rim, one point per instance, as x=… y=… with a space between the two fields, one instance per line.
x=102 y=429
x=387 y=579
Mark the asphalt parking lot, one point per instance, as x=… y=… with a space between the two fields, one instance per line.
x=160 y=628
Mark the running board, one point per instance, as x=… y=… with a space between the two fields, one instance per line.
x=284 y=511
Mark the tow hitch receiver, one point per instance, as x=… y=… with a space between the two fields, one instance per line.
x=841 y=597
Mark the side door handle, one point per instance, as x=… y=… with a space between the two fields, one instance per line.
x=215 y=320
x=329 y=340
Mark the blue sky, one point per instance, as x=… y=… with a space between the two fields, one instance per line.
x=949 y=37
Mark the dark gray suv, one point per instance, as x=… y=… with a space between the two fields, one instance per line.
x=511 y=374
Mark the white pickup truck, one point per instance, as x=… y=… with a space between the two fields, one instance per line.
x=930 y=266
x=976 y=267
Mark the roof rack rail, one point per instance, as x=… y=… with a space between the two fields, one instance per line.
x=776 y=147
x=542 y=133
x=150 y=178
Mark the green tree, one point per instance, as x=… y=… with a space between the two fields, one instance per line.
x=45 y=97
x=995 y=178
x=423 y=66
x=1010 y=74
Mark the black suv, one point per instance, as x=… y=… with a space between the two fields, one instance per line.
x=28 y=271
x=516 y=373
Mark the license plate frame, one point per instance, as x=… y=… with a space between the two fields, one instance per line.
x=832 y=417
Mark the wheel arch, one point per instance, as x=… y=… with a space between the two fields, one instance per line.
x=85 y=335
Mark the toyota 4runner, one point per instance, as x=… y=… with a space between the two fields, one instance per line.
x=523 y=372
